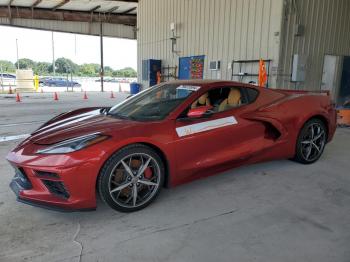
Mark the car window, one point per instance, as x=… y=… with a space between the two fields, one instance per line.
x=8 y=76
x=155 y=103
x=224 y=98
x=252 y=94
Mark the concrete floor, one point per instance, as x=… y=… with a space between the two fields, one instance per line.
x=276 y=211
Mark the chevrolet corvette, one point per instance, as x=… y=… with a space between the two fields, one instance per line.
x=165 y=136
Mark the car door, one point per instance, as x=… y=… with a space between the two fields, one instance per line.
x=55 y=82
x=222 y=139
x=61 y=82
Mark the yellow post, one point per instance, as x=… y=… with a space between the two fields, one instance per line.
x=36 y=83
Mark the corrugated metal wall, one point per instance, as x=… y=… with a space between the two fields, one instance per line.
x=113 y=30
x=219 y=29
x=327 y=31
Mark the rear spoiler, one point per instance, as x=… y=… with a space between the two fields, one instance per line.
x=287 y=91
x=321 y=92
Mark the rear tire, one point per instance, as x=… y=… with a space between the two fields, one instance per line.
x=131 y=178
x=311 y=141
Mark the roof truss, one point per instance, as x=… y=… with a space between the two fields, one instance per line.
x=65 y=15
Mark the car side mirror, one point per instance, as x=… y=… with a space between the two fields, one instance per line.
x=202 y=111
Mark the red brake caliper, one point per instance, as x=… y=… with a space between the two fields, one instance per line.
x=148 y=173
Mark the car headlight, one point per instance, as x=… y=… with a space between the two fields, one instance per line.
x=73 y=144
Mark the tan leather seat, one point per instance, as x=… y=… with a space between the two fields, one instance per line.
x=203 y=100
x=233 y=100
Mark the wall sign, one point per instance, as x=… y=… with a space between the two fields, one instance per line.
x=191 y=67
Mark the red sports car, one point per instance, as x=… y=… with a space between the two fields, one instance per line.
x=165 y=136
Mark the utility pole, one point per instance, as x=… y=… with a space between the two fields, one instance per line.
x=101 y=49
x=17 y=53
x=1 y=81
x=75 y=45
x=53 y=56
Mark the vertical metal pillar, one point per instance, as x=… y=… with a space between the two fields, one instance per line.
x=17 y=53
x=101 y=49
x=53 y=55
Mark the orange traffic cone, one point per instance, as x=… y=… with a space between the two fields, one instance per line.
x=18 y=98
x=85 y=95
x=55 y=97
x=112 y=94
x=10 y=90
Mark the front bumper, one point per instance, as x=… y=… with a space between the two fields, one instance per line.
x=17 y=187
x=55 y=193
x=58 y=182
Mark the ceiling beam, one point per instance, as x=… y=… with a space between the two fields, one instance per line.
x=95 y=8
x=62 y=3
x=112 y=9
x=36 y=3
x=65 y=15
x=128 y=1
x=129 y=10
x=9 y=10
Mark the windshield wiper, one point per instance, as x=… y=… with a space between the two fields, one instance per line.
x=116 y=115
x=104 y=111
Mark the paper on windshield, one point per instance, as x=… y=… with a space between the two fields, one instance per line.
x=189 y=88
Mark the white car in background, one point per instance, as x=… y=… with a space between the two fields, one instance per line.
x=7 y=79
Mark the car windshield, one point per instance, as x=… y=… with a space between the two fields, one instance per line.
x=154 y=103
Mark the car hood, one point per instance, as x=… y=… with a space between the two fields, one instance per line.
x=77 y=125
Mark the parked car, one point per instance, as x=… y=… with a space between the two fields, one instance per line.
x=7 y=79
x=58 y=81
x=166 y=135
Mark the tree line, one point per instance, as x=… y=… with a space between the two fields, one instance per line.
x=65 y=66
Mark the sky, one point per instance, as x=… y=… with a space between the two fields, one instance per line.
x=37 y=45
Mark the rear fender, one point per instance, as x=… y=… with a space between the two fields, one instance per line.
x=323 y=115
x=291 y=113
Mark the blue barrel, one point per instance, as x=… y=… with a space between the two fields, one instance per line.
x=134 y=88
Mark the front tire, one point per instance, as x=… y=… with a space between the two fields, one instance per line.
x=131 y=178
x=311 y=141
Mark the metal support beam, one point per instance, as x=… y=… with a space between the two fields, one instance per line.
x=62 y=3
x=112 y=9
x=36 y=3
x=101 y=54
x=65 y=15
x=127 y=1
x=10 y=10
x=17 y=53
x=53 y=55
x=95 y=8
